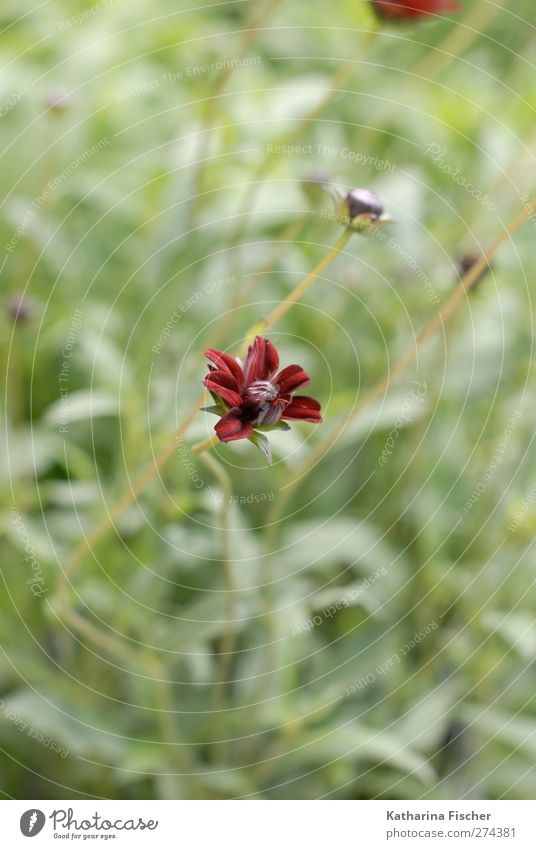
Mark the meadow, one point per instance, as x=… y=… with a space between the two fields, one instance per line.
x=179 y=618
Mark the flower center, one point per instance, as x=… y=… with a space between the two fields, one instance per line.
x=259 y=392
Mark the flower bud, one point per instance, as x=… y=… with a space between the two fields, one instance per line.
x=58 y=100
x=400 y=10
x=19 y=309
x=364 y=202
x=362 y=211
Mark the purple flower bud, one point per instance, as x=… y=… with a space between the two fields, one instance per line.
x=364 y=202
x=19 y=309
x=58 y=100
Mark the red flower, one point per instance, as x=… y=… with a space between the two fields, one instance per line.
x=412 y=8
x=254 y=394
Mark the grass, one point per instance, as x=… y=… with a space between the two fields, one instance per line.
x=357 y=620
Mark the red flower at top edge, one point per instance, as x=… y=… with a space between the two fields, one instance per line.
x=412 y=8
x=255 y=394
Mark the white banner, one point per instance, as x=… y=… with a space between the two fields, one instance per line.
x=268 y=824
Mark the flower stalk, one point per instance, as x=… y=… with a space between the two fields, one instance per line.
x=265 y=166
x=169 y=447
x=227 y=644
x=299 y=291
x=469 y=280
x=205 y=444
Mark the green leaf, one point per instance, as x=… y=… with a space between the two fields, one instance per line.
x=278 y=426
x=357 y=742
x=84 y=405
x=261 y=442
x=218 y=404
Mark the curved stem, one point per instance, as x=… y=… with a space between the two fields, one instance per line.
x=299 y=291
x=129 y=498
x=437 y=60
x=168 y=449
x=227 y=644
x=382 y=386
x=289 y=235
x=206 y=444
x=458 y=39
x=263 y=169
x=137 y=659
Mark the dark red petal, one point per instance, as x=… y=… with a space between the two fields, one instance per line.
x=231 y=426
x=225 y=363
x=262 y=360
x=413 y=8
x=291 y=379
x=304 y=408
x=223 y=384
x=224 y=378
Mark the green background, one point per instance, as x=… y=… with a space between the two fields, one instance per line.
x=110 y=229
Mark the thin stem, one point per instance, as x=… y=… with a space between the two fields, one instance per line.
x=15 y=378
x=109 y=643
x=168 y=449
x=166 y=714
x=458 y=39
x=206 y=444
x=127 y=656
x=263 y=169
x=299 y=291
x=382 y=386
x=257 y=24
x=139 y=485
x=227 y=644
x=437 y=60
x=289 y=235
x=220 y=328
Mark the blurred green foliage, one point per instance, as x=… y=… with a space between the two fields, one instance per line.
x=101 y=235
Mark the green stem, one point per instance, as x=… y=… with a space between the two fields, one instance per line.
x=299 y=291
x=437 y=60
x=264 y=168
x=437 y=322
x=205 y=444
x=227 y=644
x=458 y=39
x=166 y=714
x=15 y=378
x=169 y=448
x=289 y=235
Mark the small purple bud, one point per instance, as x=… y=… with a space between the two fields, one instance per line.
x=58 y=100
x=19 y=309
